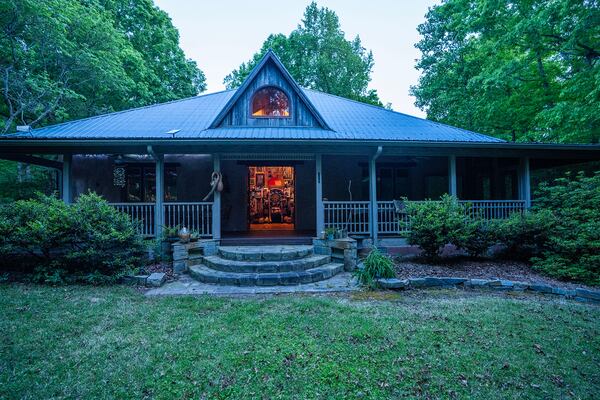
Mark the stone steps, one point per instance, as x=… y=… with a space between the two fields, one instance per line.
x=264 y=266
x=264 y=253
x=209 y=275
x=298 y=264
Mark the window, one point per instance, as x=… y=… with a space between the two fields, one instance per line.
x=141 y=183
x=270 y=102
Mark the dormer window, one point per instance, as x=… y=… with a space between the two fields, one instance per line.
x=270 y=102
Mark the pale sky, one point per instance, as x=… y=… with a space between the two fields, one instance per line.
x=221 y=34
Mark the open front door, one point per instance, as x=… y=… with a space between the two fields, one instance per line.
x=271 y=198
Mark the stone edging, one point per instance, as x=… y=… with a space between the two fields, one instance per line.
x=579 y=294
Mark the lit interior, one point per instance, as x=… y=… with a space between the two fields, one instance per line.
x=271 y=197
x=270 y=102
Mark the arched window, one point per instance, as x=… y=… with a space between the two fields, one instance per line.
x=270 y=102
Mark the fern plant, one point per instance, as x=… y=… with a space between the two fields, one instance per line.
x=376 y=265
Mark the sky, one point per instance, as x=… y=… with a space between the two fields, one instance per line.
x=221 y=34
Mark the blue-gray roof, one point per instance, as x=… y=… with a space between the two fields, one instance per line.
x=347 y=120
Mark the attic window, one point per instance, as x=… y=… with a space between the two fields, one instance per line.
x=270 y=102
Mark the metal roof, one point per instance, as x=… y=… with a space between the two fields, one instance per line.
x=347 y=119
x=197 y=117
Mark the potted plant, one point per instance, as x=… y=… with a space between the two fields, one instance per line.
x=330 y=233
x=194 y=236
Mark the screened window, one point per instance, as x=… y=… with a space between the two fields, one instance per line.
x=141 y=183
x=270 y=102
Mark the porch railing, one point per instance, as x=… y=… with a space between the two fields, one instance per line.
x=195 y=216
x=143 y=213
x=493 y=209
x=351 y=215
x=355 y=215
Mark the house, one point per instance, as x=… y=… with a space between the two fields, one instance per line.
x=291 y=162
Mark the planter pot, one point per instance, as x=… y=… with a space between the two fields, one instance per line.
x=184 y=235
x=330 y=236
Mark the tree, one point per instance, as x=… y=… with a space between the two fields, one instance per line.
x=520 y=70
x=67 y=59
x=319 y=57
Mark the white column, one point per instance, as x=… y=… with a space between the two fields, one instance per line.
x=319 y=194
x=452 y=190
x=216 y=210
x=159 y=220
x=525 y=181
x=373 y=199
x=66 y=178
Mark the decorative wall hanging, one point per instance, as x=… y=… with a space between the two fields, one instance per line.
x=119 y=179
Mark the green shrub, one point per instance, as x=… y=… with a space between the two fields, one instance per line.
x=573 y=241
x=480 y=235
x=525 y=235
x=434 y=224
x=88 y=241
x=376 y=265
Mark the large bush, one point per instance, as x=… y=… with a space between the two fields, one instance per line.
x=434 y=224
x=525 y=235
x=573 y=240
x=88 y=241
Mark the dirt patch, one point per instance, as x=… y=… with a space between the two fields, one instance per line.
x=461 y=267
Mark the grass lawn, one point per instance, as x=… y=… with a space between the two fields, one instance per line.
x=82 y=342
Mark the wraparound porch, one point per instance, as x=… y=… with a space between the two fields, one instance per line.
x=340 y=186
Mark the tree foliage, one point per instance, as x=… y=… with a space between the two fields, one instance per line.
x=521 y=70
x=319 y=57
x=68 y=59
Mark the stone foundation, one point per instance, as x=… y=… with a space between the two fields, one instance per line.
x=340 y=250
x=187 y=254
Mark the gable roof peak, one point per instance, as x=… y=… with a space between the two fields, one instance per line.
x=272 y=57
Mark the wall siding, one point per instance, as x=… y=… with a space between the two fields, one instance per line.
x=239 y=115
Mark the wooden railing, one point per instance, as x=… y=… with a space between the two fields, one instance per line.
x=196 y=216
x=493 y=209
x=355 y=215
x=142 y=213
x=388 y=221
x=350 y=215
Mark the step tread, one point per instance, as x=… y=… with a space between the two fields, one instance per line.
x=310 y=258
x=264 y=253
x=209 y=275
x=217 y=262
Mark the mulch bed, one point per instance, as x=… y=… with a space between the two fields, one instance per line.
x=167 y=268
x=461 y=267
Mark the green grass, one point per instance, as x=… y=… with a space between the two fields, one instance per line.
x=81 y=342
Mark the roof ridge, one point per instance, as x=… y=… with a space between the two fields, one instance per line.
x=401 y=113
x=127 y=110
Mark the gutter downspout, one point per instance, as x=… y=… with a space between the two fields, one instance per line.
x=373 y=194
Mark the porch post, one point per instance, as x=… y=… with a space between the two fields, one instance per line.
x=452 y=191
x=525 y=181
x=66 y=178
x=319 y=194
x=373 y=195
x=159 y=195
x=216 y=209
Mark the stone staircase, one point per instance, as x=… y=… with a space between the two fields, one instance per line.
x=264 y=266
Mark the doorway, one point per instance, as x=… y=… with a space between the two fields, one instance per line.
x=271 y=198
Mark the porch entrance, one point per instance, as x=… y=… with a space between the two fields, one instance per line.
x=271 y=198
